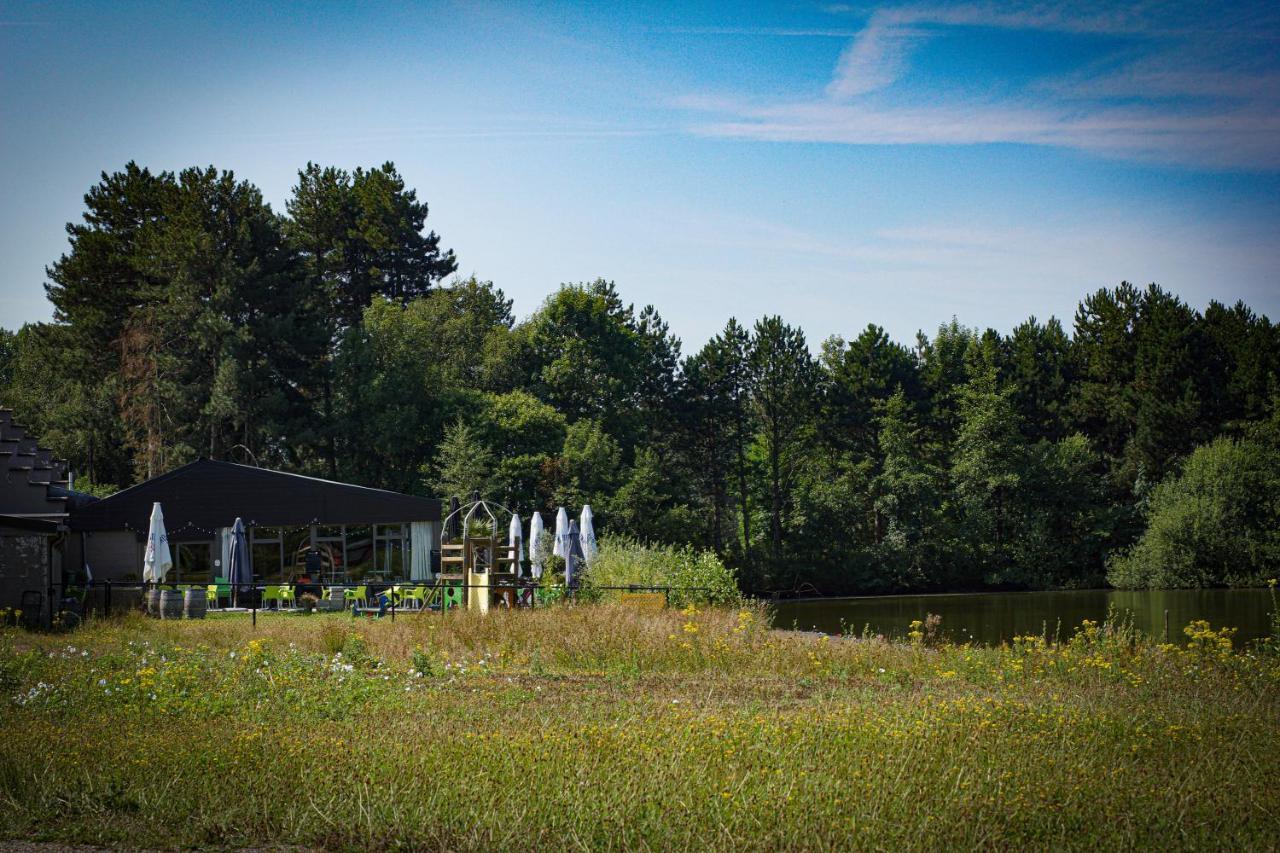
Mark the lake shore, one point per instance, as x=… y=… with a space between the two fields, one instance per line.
x=604 y=727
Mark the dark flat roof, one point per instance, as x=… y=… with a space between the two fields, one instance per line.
x=27 y=523
x=208 y=494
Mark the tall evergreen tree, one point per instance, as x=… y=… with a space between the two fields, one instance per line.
x=1040 y=371
x=985 y=471
x=783 y=395
x=863 y=374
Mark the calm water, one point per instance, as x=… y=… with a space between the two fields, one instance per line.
x=997 y=616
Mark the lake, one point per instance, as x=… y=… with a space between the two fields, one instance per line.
x=995 y=617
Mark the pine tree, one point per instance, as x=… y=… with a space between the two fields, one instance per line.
x=985 y=470
x=784 y=398
x=463 y=464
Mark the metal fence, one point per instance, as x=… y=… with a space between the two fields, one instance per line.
x=67 y=605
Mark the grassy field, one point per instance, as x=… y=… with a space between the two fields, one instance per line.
x=604 y=727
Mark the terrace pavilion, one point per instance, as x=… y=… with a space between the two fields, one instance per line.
x=298 y=527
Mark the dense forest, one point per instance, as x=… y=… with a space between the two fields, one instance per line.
x=336 y=339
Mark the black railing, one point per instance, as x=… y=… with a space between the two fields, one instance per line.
x=384 y=598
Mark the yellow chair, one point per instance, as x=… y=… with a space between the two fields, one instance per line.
x=212 y=592
x=411 y=596
x=271 y=593
x=359 y=595
x=288 y=595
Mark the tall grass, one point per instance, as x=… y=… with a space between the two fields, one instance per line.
x=605 y=727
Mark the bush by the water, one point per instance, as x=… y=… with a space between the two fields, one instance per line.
x=695 y=577
x=1215 y=522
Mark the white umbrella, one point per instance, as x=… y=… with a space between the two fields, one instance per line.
x=514 y=535
x=535 y=543
x=561 y=545
x=157 y=561
x=587 y=530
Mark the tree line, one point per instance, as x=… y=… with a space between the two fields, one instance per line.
x=336 y=339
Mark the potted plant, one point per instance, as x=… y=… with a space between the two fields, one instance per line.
x=307 y=602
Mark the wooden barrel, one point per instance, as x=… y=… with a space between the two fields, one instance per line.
x=170 y=604
x=153 y=602
x=195 y=602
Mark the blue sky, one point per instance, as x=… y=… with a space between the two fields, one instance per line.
x=838 y=164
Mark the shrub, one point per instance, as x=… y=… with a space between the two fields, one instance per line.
x=695 y=577
x=1215 y=522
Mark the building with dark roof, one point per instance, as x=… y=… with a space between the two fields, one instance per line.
x=298 y=526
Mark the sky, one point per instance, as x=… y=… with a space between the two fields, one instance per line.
x=837 y=164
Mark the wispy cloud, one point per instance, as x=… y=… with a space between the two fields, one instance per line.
x=873 y=60
x=1184 y=84
x=778 y=32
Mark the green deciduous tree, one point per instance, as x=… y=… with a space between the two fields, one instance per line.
x=1216 y=521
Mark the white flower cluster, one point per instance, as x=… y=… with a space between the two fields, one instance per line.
x=33 y=694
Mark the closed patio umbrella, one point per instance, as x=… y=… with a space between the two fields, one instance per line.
x=560 y=547
x=536 y=532
x=514 y=537
x=239 y=568
x=573 y=556
x=587 y=530
x=157 y=561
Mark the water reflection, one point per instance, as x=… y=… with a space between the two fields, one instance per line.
x=996 y=617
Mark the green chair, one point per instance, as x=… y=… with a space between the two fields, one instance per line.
x=212 y=592
x=288 y=595
x=358 y=596
x=271 y=593
x=414 y=597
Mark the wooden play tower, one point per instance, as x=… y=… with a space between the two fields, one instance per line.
x=475 y=557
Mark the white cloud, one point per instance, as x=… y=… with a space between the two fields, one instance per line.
x=1199 y=88
x=873 y=60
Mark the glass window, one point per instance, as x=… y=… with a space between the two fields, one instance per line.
x=264 y=534
x=266 y=560
x=194 y=562
x=390 y=556
x=297 y=541
x=359 y=552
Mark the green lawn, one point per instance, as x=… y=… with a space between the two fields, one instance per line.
x=604 y=727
